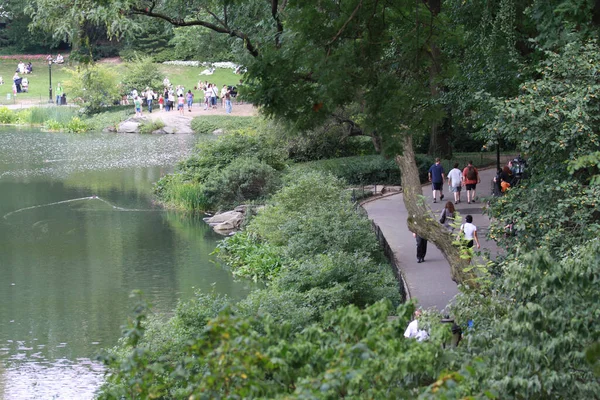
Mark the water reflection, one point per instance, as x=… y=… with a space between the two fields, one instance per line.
x=78 y=232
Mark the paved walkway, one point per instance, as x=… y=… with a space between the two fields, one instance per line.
x=429 y=283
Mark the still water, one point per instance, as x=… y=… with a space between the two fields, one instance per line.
x=78 y=233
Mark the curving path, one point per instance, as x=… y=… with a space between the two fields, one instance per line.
x=428 y=283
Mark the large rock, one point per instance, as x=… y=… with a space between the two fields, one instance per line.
x=128 y=127
x=224 y=217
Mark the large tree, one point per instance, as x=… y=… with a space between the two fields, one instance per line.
x=378 y=67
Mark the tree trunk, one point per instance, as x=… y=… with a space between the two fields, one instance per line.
x=421 y=220
x=439 y=136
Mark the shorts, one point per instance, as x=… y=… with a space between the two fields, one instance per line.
x=471 y=186
x=455 y=189
x=470 y=244
x=137 y=109
x=180 y=106
x=437 y=185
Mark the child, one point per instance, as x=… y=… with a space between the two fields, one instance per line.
x=180 y=103
x=138 y=106
x=161 y=101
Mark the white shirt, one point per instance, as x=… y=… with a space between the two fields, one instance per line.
x=412 y=331
x=455 y=176
x=469 y=229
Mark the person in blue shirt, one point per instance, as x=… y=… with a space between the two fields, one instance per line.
x=436 y=177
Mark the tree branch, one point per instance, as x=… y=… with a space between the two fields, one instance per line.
x=275 y=14
x=337 y=35
x=180 y=22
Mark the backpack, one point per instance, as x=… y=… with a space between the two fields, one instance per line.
x=471 y=174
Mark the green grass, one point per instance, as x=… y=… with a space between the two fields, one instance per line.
x=39 y=80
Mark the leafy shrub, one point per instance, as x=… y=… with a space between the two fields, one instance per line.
x=310 y=215
x=141 y=72
x=7 y=116
x=149 y=127
x=333 y=280
x=250 y=258
x=53 y=126
x=365 y=170
x=208 y=124
x=93 y=86
x=76 y=125
x=175 y=192
x=109 y=117
x=245 y=179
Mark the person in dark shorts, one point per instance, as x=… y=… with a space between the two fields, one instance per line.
x=471 y=179
x=436 y=177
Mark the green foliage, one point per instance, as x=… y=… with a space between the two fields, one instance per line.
x=7 y=116
x=198 y=43
x=531 y=340
x=93 y=86
x=177 y=193
x=208 y=124
x=244 y=179
x=76 y=125
x=554 y=120
x=53 y=125
x=141 y=73
x=250 y=258
x=352 y=353
x=151 y=126
x=254 y=159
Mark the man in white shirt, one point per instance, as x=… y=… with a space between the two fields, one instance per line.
x=455 y=182
x=412 y=331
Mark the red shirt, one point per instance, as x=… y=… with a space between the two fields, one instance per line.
x=470 y=181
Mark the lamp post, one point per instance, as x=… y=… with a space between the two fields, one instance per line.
x=50 y=76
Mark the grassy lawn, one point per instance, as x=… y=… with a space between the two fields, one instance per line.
x=39 y=79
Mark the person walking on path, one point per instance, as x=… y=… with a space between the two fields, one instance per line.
x=455 y=182
x=470 y=231
x=190 y=100
x=228 y=101
x=436 y=177
x=471 y=179
x=447 y=216
x=180 y=104
x=421 y=248
x=149 y=98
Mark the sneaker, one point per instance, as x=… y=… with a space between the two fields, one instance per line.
x=456 y=202
x=418 y=260
x=434 y=201
x=441 y=197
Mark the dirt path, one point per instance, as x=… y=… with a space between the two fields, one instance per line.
x=176 y=122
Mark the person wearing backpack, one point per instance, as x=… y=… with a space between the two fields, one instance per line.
x=471 y=179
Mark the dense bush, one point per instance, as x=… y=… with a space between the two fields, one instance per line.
x=93 y=87
x=310 y=215
x=365 y=170
x=244 y=179
x=141 y=73
x=7 y=116
x=208 y=173
x=210 y=123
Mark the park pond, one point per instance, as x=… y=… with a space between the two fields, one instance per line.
x=78 y=233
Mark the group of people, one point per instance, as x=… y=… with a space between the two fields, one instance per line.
x=20 y=85
x=212 y=93
x=23 y=68
x=172 y=97
x=509 y=175
x=468 y=178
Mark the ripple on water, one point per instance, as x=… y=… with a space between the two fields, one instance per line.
x=60 y=379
